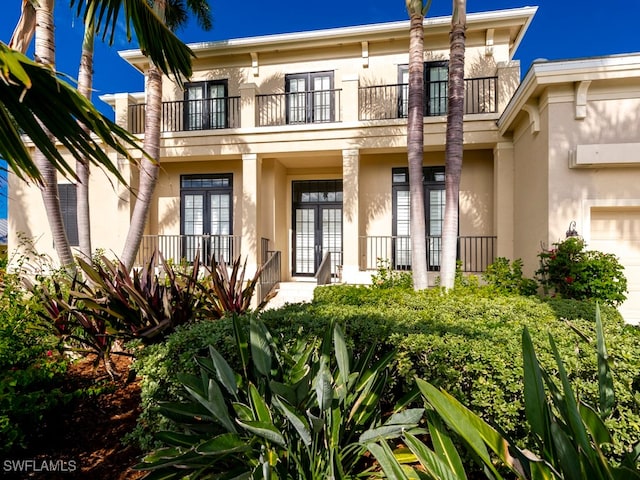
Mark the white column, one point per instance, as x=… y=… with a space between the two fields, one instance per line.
x=250 y=221
x=350 y=215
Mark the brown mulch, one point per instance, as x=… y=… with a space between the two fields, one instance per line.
x=84 y=439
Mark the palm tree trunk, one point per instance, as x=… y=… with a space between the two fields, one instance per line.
x=415 y=146
x=45 y=54
x=85 y=85
x=455 y=145
x=148 y=168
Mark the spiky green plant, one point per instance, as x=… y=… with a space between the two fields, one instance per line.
x=226 y=290
x=293 y=411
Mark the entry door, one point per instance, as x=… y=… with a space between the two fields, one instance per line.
x=309 y=97
x=317 y=223
x=318 y=231
x=206 y=105
x=207 y=225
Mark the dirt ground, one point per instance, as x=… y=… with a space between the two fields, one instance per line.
x=83 y=440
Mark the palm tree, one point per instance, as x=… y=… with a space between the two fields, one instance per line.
x=16 y=115
x=45 y=54
x=173 y=12
x=85 y=85
x=415 y=142
x=455 y=147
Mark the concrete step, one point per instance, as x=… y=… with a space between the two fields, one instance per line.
x=293 y=292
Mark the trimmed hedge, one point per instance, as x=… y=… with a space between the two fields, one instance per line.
x=467 y=342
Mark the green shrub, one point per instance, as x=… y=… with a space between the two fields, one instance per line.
x=467 y=343
x=31 y=368
x=159 y=364
x=570 y=271
x=506 y=278
x=386 y=277
x=571 y=438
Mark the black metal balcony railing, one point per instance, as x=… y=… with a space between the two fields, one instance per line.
x=382 y=102
x=475 y=252
x=186 y=115
x=184 y=248
x=319 y=106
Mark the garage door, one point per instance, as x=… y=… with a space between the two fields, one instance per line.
x=617 y=231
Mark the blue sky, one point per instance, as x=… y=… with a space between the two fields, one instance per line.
x=561 y=29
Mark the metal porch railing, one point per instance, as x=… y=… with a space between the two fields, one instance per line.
x=474 y=252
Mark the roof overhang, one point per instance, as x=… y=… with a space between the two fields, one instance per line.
x=543 y=74
x=517 y=20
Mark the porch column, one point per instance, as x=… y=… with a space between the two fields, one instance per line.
x=250 y=220
x=350 y=215
x=503 y=198
x=248 y=105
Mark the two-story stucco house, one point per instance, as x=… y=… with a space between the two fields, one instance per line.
x=296 y=143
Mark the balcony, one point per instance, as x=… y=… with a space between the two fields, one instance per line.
x=317 y=106
x=384 y=102
x=364 y=103
x=190 y=115
x=474 y=252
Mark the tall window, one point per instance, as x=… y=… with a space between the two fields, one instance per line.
x=69 y=207
x=206 y=216
x=434 y=198
x=309 y=97
x=436 y=76
x=206 y=105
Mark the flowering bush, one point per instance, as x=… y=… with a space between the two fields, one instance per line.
x=570 y=271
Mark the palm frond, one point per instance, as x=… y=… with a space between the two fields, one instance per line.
x=155 y=39
x=32 y=96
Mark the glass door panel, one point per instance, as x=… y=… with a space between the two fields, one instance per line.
x=404 y=97
x=305 y=241
x=322 y=98
x=317 y=223
x=436 y=220
x=193 y=225
x=331 y=233
x=402 y=258
x=194 y=107
x=297 y=100
x=217 y=106
x=438 y=79
x=220 y=226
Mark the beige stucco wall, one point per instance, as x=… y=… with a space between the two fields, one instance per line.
x=109 y=222
x=531 y=201
x=583 y=166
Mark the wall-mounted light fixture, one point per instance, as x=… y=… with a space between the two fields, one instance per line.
x=572 y=232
